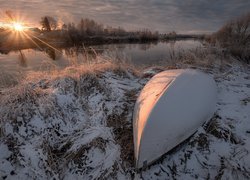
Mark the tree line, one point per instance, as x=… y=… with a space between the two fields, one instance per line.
x=87 y=29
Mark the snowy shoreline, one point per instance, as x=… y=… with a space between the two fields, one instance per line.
x=78 y=125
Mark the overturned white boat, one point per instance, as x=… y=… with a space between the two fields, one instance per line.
x=169 y=109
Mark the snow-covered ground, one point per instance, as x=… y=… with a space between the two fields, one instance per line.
x=80 y=127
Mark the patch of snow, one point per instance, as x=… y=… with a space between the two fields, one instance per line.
x=76 y=129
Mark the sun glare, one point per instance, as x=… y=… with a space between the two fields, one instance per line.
x=18 y=27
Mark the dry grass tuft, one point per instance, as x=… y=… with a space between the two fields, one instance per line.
x=206 y=58
x=9 y=80
x=123 y=132
x=221 y=131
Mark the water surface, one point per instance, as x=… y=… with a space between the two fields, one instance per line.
x=137 y=54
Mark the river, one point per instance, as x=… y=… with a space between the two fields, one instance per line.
x=138 y=54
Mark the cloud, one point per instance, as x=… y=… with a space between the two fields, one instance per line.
x=162 y=15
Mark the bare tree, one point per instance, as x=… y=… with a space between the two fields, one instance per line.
x=48 y=23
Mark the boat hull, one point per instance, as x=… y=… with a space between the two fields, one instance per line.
x=169 y=109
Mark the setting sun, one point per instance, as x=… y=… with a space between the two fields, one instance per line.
x=18 y=27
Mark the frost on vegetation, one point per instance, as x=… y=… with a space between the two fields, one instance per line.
x=64 y=127
x=80 y=127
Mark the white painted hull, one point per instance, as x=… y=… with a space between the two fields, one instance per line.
x=169 y=109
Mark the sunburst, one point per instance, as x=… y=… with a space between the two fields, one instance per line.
x=18 y=32
x=18 y=26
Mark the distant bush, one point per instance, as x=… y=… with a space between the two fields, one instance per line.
x=235 y=37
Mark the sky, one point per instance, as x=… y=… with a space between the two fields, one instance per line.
x=182 y=16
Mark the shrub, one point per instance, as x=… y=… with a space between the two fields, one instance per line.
x=235 y=37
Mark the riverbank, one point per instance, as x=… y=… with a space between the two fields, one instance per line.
x=77 y=123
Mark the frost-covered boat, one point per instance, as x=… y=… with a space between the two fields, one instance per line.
x=169 y=109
